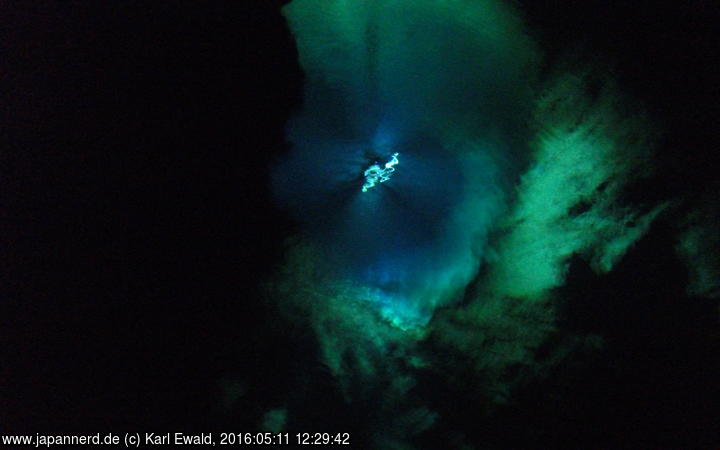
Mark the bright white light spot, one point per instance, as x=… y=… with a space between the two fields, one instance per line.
x=376 y=174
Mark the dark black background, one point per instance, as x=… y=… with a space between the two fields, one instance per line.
x=136 y=221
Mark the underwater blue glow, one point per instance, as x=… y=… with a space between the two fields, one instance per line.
x=385 y=238
x=414 y=79
x=376 y=174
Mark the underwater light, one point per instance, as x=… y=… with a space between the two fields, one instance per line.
x=376 y=174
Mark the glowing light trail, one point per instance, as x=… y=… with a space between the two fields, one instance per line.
x=376 y=174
